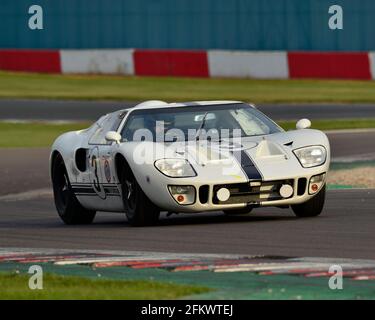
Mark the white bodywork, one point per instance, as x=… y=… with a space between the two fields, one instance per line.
x=97 y=184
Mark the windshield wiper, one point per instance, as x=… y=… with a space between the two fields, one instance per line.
x=201 y=126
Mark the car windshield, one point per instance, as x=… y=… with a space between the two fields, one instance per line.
x=197 y=122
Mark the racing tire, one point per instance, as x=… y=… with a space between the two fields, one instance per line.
x=237 y=211
x=68 y=207
x=312 y=207
x=139 y=209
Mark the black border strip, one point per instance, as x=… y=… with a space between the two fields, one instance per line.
x=88 y=190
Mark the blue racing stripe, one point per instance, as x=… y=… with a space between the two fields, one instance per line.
x=247 y=165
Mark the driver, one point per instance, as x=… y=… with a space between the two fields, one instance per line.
x=158 y=124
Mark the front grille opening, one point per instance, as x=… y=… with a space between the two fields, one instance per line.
x=203 y=194
x=244 y=193
x=301 y=188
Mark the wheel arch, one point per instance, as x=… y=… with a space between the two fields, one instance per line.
x=66 y=146
x=121 y=164
x=140 y=173
x=53 y=157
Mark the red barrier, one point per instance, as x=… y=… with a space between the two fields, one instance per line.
x=44 y=61
x=333 y=65
x=171 y=63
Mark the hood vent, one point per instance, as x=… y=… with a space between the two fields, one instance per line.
x=288 y=144
x=269 y=149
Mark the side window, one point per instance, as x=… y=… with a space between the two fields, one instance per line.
x=118 y=117
x=98 y=137
x=134 y=123
x=110 y=122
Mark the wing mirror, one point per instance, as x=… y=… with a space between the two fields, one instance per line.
x=113 y=136
x=303 y=124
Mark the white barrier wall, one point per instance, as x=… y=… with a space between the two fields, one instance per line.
x=372 y=64
x=242 y=64
x=114 y=61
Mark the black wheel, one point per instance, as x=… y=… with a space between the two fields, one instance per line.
x=139 y=210
x=312 y=207
x=67 y=205
x=238 y=211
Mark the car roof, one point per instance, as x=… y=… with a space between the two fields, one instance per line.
x=156 y=104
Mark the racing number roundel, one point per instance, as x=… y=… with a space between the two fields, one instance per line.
x=95 y=173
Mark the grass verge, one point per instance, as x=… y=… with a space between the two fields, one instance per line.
x=95 y=87
x=20 y=135
x=15 y=286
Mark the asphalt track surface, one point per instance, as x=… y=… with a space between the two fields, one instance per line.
x=92 y=110
x=344 y=230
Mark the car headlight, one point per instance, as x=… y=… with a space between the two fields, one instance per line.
x=311 y=156
x=175 y=168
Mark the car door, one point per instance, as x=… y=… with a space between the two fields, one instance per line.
x=95 y=172
x=101 y=164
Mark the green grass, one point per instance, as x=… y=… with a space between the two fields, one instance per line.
x=33 y=134
x=21 y=85
x=19 y=135
x=15 y=286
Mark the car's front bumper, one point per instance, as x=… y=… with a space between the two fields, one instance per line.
x=242 y=194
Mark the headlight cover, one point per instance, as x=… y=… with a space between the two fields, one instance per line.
x=311 y=156
x=175 y=168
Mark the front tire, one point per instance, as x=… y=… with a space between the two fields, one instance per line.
x=67 y=205
x=139 y=209
x=312 y=207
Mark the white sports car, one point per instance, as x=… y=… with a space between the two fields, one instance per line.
x=188 y=157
